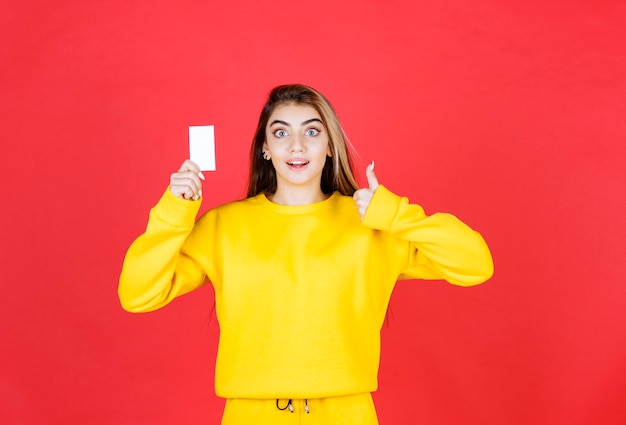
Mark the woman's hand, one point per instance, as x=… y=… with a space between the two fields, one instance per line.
x=363 y=197
x=185 y=183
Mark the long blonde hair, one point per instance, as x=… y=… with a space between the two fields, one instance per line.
x=337 y=174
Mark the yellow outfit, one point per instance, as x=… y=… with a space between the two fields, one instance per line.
x=301 y=291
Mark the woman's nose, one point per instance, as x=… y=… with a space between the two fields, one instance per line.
x=297 y=144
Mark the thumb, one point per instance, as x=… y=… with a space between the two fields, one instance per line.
x=372 y=181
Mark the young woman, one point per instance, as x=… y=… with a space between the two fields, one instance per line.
x=302 y=269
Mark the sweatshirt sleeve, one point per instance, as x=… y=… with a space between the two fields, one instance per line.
x=440 y=246
x=157 y=268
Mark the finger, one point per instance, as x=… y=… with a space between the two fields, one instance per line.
x=372 y=180
x=186 y=178
x=189 y=165
x=190 y=169
x=185 y=192
x=186 y=184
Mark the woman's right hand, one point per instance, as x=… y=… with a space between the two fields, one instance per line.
x=185 y=183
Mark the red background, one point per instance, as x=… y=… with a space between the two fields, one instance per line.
x=508 y=114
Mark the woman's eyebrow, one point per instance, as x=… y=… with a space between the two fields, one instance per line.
x=285 y=123
x=312 y=120
x=280 y=122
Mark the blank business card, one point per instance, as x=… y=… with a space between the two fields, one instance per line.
x=202 y=146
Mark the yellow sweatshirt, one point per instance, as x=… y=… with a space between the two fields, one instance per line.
x=301 y=291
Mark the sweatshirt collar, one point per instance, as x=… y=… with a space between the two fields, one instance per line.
x=298 y=209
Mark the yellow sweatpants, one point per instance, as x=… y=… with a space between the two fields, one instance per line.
x=355 y=409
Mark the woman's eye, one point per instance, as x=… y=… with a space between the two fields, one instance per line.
x=280 y=133
x=312 y=132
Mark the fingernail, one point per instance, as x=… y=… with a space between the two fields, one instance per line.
x=201 y=175
x=372 y=166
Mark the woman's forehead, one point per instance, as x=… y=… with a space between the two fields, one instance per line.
x=294 y=113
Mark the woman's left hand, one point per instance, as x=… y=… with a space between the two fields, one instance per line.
x=363 y=197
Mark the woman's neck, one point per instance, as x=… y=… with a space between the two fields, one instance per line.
x=297 y=197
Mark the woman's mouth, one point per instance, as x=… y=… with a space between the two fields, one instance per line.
x=297 y=164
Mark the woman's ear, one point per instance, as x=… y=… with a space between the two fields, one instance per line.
x=266 y=152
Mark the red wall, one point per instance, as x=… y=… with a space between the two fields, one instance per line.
x=510 y=116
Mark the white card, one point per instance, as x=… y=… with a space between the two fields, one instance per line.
x=202 y=146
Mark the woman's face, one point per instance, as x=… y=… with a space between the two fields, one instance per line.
x=297 y=143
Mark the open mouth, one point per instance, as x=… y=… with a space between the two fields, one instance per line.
x=297 y=164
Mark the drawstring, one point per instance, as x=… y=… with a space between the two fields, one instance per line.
x=290 y=406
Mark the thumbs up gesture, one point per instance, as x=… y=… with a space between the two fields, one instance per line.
x=362 y=197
